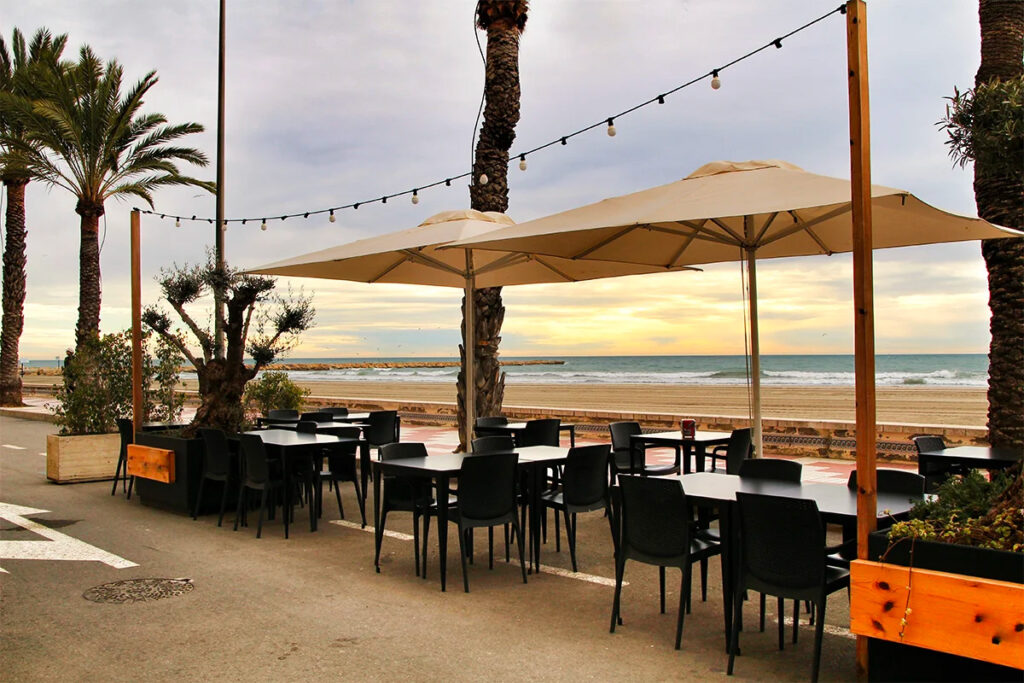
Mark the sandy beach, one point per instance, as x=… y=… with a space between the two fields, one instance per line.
x=965 y=406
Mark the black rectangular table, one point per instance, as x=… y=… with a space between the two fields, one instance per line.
x=975 y=457
x=836 y=504
x=685 y=447
x=443 y=468
x=290 y=444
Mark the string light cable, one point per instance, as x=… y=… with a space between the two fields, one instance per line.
x=608 y=121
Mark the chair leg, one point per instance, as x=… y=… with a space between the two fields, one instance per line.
x=558 y=533
x=782 y=623
x=462 y=556
x=661 y=584
x=416 y=540
x=360 y=500
x=819 y=626
x=426 y=536
x=734 y=636
x=490 y=547
x=507 y=557
x=131 y=483
x=223 y=503
x=199 y=499
x=263 y=506
x=383 y=520
x=117 y=473
x=684 y=600
x=284 y=514
x=620 y=569
x=241 y=501
x=522 y=546
x=337 y=494
x=570 y=534
x=704 y=580
x=762 y=611
x=796 y=619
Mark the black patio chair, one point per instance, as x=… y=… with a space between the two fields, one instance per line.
x=654 y=528
x=127 y=433
x=216 y=467
x=257 y=475
x=620 y=462
x=487 y=498
x=341 y=466
x=335 y=411
x=407 y=494
x=782 y=552
x=483 y=426
x=739 y=448
x=584 y=488
x=540 y=433
x=383 y=428
x=934 y=472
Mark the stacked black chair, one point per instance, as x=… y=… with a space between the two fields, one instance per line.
x=335 y=411
x=654 y=528
x=738 y=449
x=779 y=470
x=341 y=466
x=584 y=488
x=216 y=467
x=407 y=494
x=619 y=462
x=934 y=473
x=484 y=426
x=125 y=429
x=487 y=498
x=257 y=475
x=782 y=552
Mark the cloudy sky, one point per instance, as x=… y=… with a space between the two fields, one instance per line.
x=330 y=103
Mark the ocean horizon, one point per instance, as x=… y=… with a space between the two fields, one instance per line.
x=954 y=370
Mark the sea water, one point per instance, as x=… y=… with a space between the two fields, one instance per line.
x=970 y=370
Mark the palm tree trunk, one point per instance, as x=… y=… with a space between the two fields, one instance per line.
x=88 y=272
x=501 y=114
x=998 y=197
x=14 y=292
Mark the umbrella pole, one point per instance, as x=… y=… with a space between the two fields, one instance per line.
x=755 y=352
x=469 y=344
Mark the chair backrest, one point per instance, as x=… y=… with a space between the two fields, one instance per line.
x=305 y=427
x=771 y=468
x=655 y=520
x=929 y=442
x=491 y=421
x=340 y=411
x=585 y=478
x=127 y=432
x=282 y=414
x=738 y=450
x=782 y=541
x=347 y=432
x=621 y=431
x=894 y=481
x=409 y=449
x=383 y=427
x=498 y=443
x=487 y=486
x=541 y=433
x=254 y=455
x=217 y=455
x=316 y=417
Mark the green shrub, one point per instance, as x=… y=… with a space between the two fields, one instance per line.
x=165 y=402
x=97 y=387
x=274 y=391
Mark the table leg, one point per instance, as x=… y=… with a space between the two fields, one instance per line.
x=286 y=464
x=680 y=452
x=536 y=473
x=726 y=520
x=572 y=436
x=701 y=453
x=378 y=533
x=364 y=473
x=442 y=526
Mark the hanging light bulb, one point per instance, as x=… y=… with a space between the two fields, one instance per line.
x=484 y=179
x=611 y=128
x=415 y=197
x=331 y=218
x=177 y=222
x=716 y=82
x=263 y=225
x=522 y=162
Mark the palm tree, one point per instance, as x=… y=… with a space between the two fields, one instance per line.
x=504 y=21
x=998 y=192
x=16 y=80
x=87 y=138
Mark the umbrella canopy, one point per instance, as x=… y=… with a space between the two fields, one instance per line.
x=414 y=256
x=731 y=211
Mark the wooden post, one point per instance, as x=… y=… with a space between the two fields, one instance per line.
x=137 y=407
x=863 y=298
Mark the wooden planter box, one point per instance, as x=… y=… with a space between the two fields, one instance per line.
x=967 y=612
x=84 y=457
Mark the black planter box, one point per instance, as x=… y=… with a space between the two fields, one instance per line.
x=888 y=661
x=181 y=495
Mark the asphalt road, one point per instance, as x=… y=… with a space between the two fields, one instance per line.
x=312 y=607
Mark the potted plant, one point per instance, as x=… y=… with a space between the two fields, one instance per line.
x=95 y=392
x=942 y=598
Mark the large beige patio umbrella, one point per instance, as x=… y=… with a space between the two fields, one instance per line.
x=733 y=211
x=414 y=256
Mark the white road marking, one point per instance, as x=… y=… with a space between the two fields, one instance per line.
x=557 y=571
x=58 y=546
x=12 y=447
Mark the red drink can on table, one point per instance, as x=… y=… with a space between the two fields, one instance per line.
x=689 y=428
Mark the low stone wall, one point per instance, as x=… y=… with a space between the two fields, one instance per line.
x=809 y=438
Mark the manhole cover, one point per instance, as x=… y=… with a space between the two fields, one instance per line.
x=138 y=590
